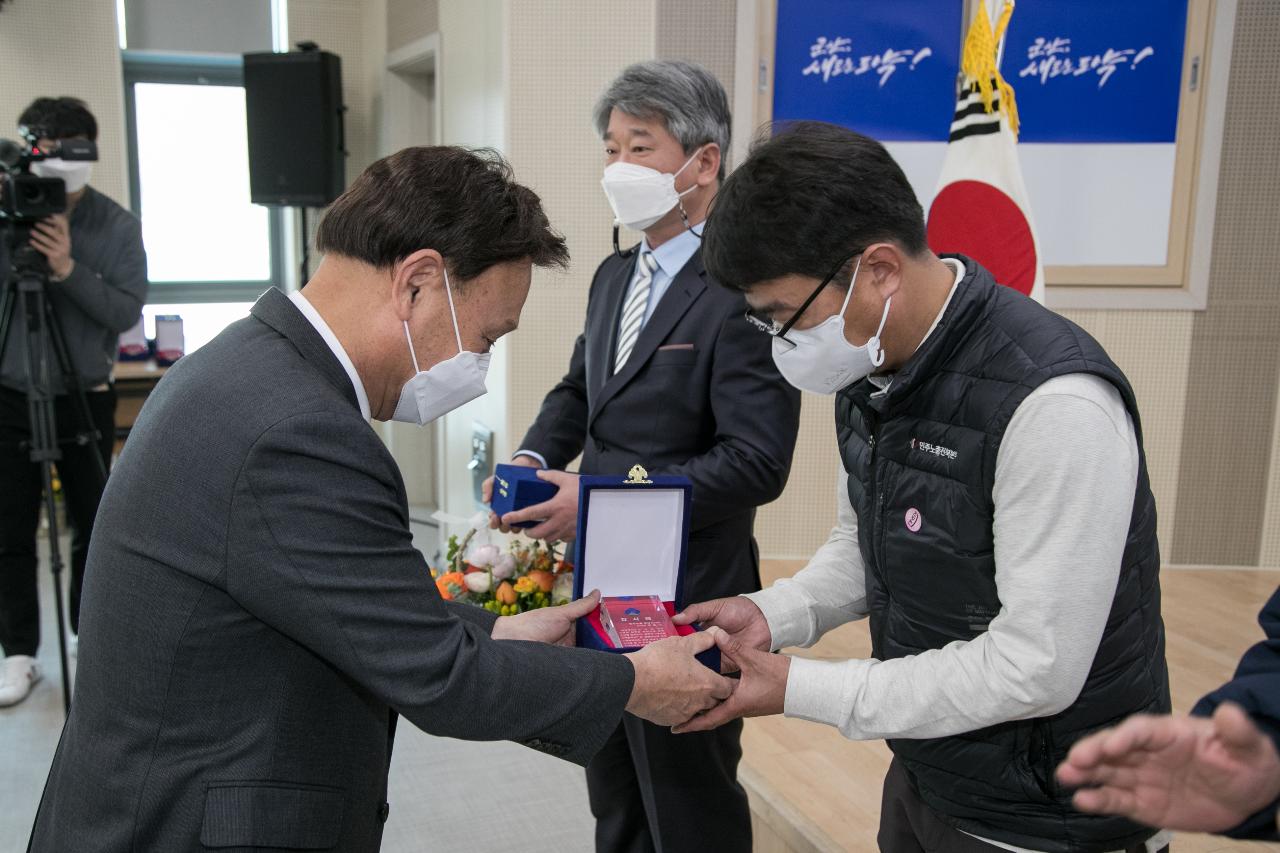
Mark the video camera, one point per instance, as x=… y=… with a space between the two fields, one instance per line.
x=26 y=198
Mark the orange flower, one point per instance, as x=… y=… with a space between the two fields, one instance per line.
x=544 y=580
x=450 y=585
x=506 y=594
x=526 y=585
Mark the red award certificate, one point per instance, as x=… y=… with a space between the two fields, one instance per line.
x=634 y=621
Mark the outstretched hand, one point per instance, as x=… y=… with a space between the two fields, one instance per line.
x=1183 y=773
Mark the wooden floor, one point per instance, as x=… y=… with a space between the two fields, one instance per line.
x=812 y=790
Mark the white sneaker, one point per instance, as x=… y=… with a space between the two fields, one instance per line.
x=18 y=674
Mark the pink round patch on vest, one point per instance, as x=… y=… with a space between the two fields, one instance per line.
x=914 y=520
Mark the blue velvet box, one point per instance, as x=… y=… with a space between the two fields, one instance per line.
x=633 y=539
x=517 y=487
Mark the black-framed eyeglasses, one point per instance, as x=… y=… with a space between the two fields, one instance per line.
x=779 y=330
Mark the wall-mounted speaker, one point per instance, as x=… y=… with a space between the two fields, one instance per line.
x=293 y=104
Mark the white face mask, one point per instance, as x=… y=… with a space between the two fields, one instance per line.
x=640 y=196
x=75 y=174
x=821 y=359
x=432 y=393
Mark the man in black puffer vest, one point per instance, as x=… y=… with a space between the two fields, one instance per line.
x=996 y=521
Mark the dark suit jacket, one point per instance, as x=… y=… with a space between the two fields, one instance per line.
x=255 y=616
x=699 y=397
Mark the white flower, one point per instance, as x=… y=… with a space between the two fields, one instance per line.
x=483 y=556
x=477 y=582
x=504 y=567
x=563 y=589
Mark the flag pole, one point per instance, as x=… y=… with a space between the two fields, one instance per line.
x=994 y=15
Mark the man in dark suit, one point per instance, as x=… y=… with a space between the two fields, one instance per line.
x=668 y=374
x=256 y=616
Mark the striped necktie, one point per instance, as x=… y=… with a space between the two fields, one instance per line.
x=633 y=312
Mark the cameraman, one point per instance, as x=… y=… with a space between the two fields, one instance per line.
x=97 y=287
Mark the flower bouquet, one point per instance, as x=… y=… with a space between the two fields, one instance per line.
x=526 y=577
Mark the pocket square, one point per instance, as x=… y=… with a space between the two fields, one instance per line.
x=668 y=347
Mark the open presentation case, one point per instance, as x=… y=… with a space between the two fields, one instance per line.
x=633 y=539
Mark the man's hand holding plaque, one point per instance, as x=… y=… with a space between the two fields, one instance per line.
x=760 y=691
x=738 y=616
x=671 y=685
x=745 y=641
x=552 y=625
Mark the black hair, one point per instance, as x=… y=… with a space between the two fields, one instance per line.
x=462 y=203
x=806 y=197
x=60 y=118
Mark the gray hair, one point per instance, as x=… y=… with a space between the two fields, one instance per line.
x=687 y=97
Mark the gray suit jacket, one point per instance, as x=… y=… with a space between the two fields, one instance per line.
x=255 y=617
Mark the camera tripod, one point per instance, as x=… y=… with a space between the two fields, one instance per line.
x=25 y=296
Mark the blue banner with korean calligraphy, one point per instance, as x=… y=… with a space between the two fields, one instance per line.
x=886 y=69
x=1097 y=70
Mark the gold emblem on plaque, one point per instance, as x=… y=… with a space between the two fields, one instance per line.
x=638 y=477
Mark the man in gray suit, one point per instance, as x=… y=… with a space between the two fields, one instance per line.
x=256 y=617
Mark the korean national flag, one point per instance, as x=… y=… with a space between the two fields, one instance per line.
x=981 y=207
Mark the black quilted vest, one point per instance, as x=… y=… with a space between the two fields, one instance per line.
x=922 y=461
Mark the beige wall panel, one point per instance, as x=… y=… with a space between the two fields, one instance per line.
x=340 y=26
x=1230 y=417
x=410 y=20
x=561 y=57
x=373 y=71
x=793 y=526
x=67 y=48
x=1153 y=348
x=701 y=32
